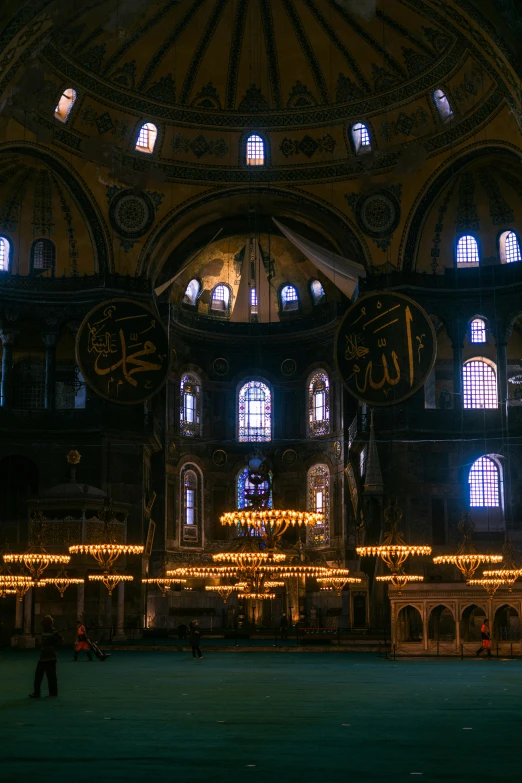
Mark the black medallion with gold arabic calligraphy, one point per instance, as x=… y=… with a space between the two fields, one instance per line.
x=385 y=348
x=122 y=351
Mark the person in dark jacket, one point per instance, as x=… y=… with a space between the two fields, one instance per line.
x=195 y=639
x=49 y=641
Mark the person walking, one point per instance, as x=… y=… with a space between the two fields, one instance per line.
x=486 y=639
x=81 y=641
x=195 y=639
x=49 y=641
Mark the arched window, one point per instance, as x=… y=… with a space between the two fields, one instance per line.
x=289 y=298
x=319 y=404
x=254 y=412
x=479 y=384
x=477 y=331
x=43 y=256
x=509 y=248
x=192 y=292
x=65 y=104
x=361 y=137
x=190 y=406
x=190 y=505
x=5 y=249
x=246 y=490
x=485 y=483
x=317 y=291
x=442 y=104
x=253 y=301
x=255 y=151
x=147 y=138
x=220 y=300
x=467 y=251
x=319 y=501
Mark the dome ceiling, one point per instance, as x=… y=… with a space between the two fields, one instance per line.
x=249 y=56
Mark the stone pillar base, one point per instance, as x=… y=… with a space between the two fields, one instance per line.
x=23 y=641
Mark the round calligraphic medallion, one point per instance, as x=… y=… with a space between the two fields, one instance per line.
x=289 y=456
x=219 y=457
x=288 y=366
x=122 y=351
x=378 y=214
x=338 y=449
x=220 y=366
x=385 y=348
x=131 y=214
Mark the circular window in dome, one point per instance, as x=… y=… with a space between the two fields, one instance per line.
x=131 y=215
x=378 y=214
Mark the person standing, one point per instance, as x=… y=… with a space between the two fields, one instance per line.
x=49 y=641
x=486 y=639
x=81 y=641
x=195 y=639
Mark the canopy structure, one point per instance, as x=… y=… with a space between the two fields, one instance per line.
x=242 y=306
x=343 y=273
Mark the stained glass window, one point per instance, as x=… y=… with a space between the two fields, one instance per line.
x=317 y=291
x=43 y=255
x=65 y=104
x=319 y=501
x=467 y=251
x=220 y=298
x=255 y=151
x=289 y=298
x=255 y=412
x=484 y=483
x=253 y=301
x=442 y=104
x=147 y=138
x=246 y=490
x=190 y=504
x=478 y=331
x=361 y=137
x=4 y=254
x=319 y=404
x=479 y=384
x=190 y=406
x=192 y=292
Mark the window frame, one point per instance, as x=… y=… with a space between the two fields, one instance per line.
x=243 y=150
x=467 y=264
x=322 y=299
x=37 y=270
x=9 y=242
x=190 y=429
x=187 y=529
x=200 y=291
x=225 y=312
x=319 y=428
x=493 y=458
x=486 y=330
x=266 y=438
x=502 y=237
x=282 y=307
x=484 y=360
x=360 y=149
x=241 y=502
x=72 y=104
x=443 y=117
x=146 y=150
x=318 y=536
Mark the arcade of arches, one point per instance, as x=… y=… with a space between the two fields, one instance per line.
x=219 y=163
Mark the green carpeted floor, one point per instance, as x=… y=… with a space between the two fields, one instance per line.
x=262 y=717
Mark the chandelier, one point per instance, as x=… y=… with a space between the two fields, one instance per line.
x=62 y=581
x=467 y=559
x=490 y=584
x=509 y=573
x=400 y=580
x=20 y=584
x=110 y=579
x=163 y=582
x=394 y=551
x=37 y=559
x=106 y=552
x=271 y=523
x=338 y=579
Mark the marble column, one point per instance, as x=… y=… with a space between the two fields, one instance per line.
x=19 y=617
x=120 y=614
x=28 y=606
x=80 y=602
x=8 y=338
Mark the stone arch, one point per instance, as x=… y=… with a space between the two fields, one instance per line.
x=441 y=624
x=410 y=627
x=472 y=617
x=506 y=623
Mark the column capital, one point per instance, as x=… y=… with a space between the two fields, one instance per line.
x=8 y=336
x=50 y=338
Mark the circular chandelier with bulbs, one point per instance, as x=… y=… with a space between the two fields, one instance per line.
x=466 y=558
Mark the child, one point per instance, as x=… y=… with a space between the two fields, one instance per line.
x=50 y=640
